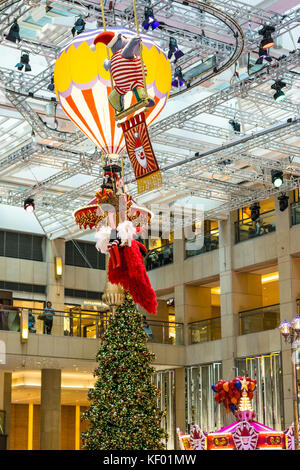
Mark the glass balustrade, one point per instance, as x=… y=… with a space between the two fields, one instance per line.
x=259 y=319
x=205 y=330
x=85 y=325
x=9 y=318
x=295 y=208
x=247 y=228
x=159 y=257
x=202 y=244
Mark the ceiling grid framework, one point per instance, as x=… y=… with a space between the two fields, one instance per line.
x=198 y=151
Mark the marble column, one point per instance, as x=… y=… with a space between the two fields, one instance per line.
x=180 y=412
x=55 y=287
x=50 y=409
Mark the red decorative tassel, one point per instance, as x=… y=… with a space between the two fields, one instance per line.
x=133 y=277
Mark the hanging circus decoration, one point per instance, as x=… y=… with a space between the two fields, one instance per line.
x=83 y=86
x=141 y=155
x=119 y=221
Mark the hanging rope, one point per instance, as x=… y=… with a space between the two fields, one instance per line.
x=140 y=45
x=107 y=50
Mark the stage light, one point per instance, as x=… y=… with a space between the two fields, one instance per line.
x=283 y=202
x=79 y=26
x=24 y=62
x=50 y=87
x=267 y=40
x=255 y=211
x=178 y=79
x=235 y=126
x=263 y=55
x=149 y=20
x=13 y=35
x=279 y=95
x=29 y=205
x=277 y=178
x=173 y=49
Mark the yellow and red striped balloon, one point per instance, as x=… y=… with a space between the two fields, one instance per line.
x=82 y=86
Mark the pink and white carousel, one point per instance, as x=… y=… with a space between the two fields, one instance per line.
x=245 y=433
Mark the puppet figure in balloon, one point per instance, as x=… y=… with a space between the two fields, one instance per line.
x=125 y=67
x=116 y=236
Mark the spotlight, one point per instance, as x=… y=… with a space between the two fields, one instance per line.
x=178 y=79
x=235 y=126
x=267 y=40
x=24 y=62
x=13 y=34
x=279 y=95
x=283 y=202
x=277 y=178
x=50 y=87
x=263 y=55
x=79 y=26
x=29 y=205
x=173 y=49
x=255 y=211
x=149 y=19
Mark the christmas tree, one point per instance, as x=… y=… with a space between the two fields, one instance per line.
x=123 y=414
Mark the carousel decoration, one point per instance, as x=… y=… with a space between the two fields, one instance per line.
x=245 y=433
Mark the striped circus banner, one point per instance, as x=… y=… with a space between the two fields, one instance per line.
x=141 y=154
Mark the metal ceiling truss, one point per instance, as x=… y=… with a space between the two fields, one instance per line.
x=240 y=89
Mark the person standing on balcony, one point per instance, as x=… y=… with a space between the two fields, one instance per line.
x=147 y=328
x=48 y=322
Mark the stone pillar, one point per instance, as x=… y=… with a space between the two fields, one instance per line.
x=228 y=323
x=180 y=413
x=50 y=409
x=5 y=401
x=289 y=291
x=55 y=287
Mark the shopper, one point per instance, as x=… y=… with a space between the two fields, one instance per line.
x=48 y=322
x=147 y=328
x=31 y=321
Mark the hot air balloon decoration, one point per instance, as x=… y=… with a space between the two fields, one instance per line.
x=83 y=87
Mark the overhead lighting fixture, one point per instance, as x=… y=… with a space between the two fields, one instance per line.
x=79 y=26
x=13 y=35
x=24 y=62
x=283 y=202
x=277 y=178
x=255 y=211
x=235 y=125
x=29 y=205
x=279 y=95
x=178 y=79
x=149 y=20
x=267 y=40
x=265 y=278
x=174 y=49
x=50 y=87
x=263 y=55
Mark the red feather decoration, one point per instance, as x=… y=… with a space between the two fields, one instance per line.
x=133 y=277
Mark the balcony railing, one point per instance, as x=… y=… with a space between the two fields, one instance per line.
x=195 y=247
x=295 y=208
x=259 y=319
x=159 y=257
x=247 y=229
x=9 y=318
x=84 y=325
x=205 y=330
